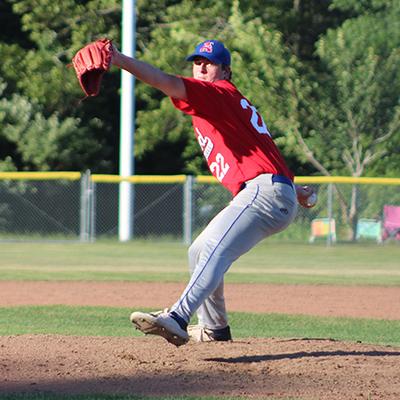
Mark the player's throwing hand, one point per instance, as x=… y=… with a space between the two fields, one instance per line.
x=306 y=196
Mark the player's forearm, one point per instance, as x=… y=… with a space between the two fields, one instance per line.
x=143 y=71
x=171 y=85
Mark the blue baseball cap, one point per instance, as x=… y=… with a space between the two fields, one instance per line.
x=213 y=50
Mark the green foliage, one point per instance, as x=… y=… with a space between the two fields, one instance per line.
x=357 y=119
x=57 y=30
x=42 y=121
x=362 y=6
x=37 y=142
x=348 y=83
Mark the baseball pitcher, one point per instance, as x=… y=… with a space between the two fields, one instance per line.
x=243 y=157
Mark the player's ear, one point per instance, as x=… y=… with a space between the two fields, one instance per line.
x=227 y=72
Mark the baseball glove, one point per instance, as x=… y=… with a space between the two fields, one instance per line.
x=90 y=64
x=306 y=196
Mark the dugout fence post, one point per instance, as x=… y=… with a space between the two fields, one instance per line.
x=188 y=210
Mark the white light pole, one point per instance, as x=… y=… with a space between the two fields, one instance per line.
x=126 y=153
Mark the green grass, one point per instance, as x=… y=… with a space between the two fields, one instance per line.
x=359 y=264
x=113 y=321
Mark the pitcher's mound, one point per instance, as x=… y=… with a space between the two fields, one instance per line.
x=304 y=368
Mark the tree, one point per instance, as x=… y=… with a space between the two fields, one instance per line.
x=263 y=69
x=267 y=42
x=35 y=52
x=301 y=22
x=38 y=80
x=36 y=142
x=354 y=116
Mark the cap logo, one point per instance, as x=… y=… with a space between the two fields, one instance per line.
x=207 y=47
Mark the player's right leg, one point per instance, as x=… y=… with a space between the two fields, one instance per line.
x=199 y=333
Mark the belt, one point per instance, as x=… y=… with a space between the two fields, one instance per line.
x=274 y=179
x=281 y=179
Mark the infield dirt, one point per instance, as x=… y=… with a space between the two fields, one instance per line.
x=302 y=368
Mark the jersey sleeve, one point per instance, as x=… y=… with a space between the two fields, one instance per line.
x=204 y=98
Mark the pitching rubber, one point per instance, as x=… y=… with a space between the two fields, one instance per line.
x=157 y=325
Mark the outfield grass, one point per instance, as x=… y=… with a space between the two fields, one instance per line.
x=365 y=264
x=114 y=321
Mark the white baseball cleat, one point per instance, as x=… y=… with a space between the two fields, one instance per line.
x=162 y=324
x=201 y=334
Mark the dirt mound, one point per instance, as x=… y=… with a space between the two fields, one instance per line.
x=307 y=368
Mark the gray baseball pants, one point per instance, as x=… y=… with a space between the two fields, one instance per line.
x=261 y=209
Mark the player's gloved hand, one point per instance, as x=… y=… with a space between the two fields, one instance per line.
x=306 y=196
x=90 y=63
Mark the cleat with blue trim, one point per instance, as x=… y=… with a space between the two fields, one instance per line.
x=160 y=323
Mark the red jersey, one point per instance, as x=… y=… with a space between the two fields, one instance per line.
x=233 y=136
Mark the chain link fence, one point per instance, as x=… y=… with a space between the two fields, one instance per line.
x=37 y=207
x=84 y=207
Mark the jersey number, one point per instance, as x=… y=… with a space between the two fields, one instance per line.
x=219 y=167
x=255 y=118
x=205 y=143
